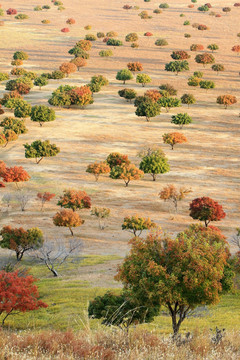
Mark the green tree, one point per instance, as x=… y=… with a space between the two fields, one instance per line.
x=155 y=163
x=148 y=108
x=137 y=224
x=178 y=274
x=40 y=81
x=42 y=114
x=143 y=79
x=169 y=102
x=193 y=81
x=213 y=47
x=22 y=109
x=188 y=99
x=181 y=119
x=124 y=75
x=20 y=55
x=218 y=67
x=17 y=125
x=39 y=149
x=177 y=66
x=207 y=84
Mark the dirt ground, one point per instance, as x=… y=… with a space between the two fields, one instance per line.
x=208 y=163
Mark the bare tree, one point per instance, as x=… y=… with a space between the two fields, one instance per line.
x=7 y=199
x=23 y=198
x=54 y=254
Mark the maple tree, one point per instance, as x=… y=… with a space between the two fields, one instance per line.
x=15 y=174
x=68 y=68
x=67 y=218
x=174 y=138
x=18 y=294
x=178 y=274
x=20 y=240
x=154 y=163
x=39 y=149
x=226 y=100
x=126 y=172
x=115 y=159
x=135 y=66
x=136 y=224
x=171 y=193
x=74 y=200
x=206 y=209
x=45 y=197
x=98 y=168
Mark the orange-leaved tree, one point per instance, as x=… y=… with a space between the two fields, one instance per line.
x=226 y=100
x=67 y=218
x=68 y=68
x=135 y=66
x=179 y=274
x=18 y=294
x=74 y=199
x=16 y=175
x=174 y=138
x=126 y=173
x=98 y=168
x=171 y=193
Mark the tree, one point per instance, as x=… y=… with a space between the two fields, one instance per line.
x=213 y=47
x=148 y=108
x=20 y=240
x=226 y=9
x=105 y=53
x=2 y=168
x=39 y=149
x=20 y=55
x=53 y=255
x=143 y=79
x=79 y=62
x=81 y=96
x=45 y=197
x=126 y=172
x=226 y=100
x=236 y=49
x=124 y=75
x=167 y=90
x=78 y=52
x=193 y=81
x=117 y=159
x=16 y=175
x=137 y=224
x=207 y=84
x=18 y=294
x=204 y=59
x=8 y=135
x=135 y=66
x=98 y=168
x=101 y=214
x=67 y=218
x=42 y=114
x=71 y=21
x=74 y=200
x=206 y=209
x=131 y=37
x=169 y=102
x=177 y=66
x=171 y=193
x=85 y=45
x=181 y=119
x=174 y=138
x=114 y=42
x=119 y=310
x=180 y=55
x=68 y=68
x=40 y=81
x=154 y=95
x=155 y=163
x=127 y=94
x=196 y=47
x=22 y=109
x=188 y=99
x=218 y=67
x=178 y=274
x=99 y=79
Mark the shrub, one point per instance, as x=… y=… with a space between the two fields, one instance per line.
x=46 y=7
x=164 y=6
x=143 y=79
x=42 y=114
x=105 y=53
x=187 y=35
x=111 y=34
x=114 y=42
x=21 y=17
x=65 y=30
x=198 y=74
x=127 y=7
x=131 y=37
x=90 y=37
x=16 y=125
x=181 y=119
x=193 y=81
x=187 y=22
x=100 y=35
x=18 y=71
x=180 y=55
x=78 y=52
x=124 y=75
x=203 y=8
x=57 y=74
x=196 y=47
x=161 y=42
x=188 y=99
x=226 y=9
x=45 y=21
x=99 y=79
x=128 y=94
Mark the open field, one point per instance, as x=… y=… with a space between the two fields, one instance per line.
x=208 y=163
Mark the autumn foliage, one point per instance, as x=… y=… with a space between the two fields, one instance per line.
x=45 y=197
x=154 y=95
x=74 y=200
x=171 y=193
x=98 y=168
x=67 y=218
x=226 y=100
x=15 y=174
x=137 y=224
x=236 y=48
x=115 y=159
x=68 y=68
x=174 y=138
x=206 y=209
x=135 y=66
x=18 y=294
x=126 y=172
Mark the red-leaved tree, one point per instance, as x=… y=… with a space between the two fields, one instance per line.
x=206 y=209
x=45 y=197
x=18 y=294
x=16 y=175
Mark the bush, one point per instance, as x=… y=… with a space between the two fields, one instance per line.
x=20 y=55
x=177 y=66
x=203 y=8
x=218 y=67
x=23 y=109
x=161 y=42
x=38 y=8
x=57 y=74
x=114 y=42
x=205 y=59
x=226 y=9
x=18 y=71
x=148 y=33
x=134 y=45
x=143 y=79
x=144 y=15
x=16 y=125
x=90 y=37
x=167 y=90
x=135 y=66
x=124 y=75
x=164 y=6
x=100 y=35
x=131 y=37
x=45 y=21
x=21 y=17
x=181 y=119
x=187 y=35
x=187 y=22
x=105 y=53
x=198 y=74
x=203 y=27
x=193 y=81
x=188 y=99
x=196 y=47
x=157 y=11
x=213 y=47
x=99 y=79
x=42 y=114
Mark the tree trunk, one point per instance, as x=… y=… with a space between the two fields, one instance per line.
x=38 y=161
x=70 y=230
x=154 y=177
x=19 y=255
x=55 y=273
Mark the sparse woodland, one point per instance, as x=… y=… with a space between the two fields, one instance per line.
x=119 y=180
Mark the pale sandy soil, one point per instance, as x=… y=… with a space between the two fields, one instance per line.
x=209 y=163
